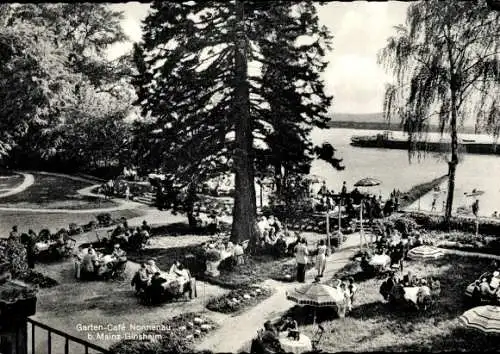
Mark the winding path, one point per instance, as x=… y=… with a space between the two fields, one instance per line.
x=29 y=180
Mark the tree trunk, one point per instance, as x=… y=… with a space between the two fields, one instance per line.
x=244 y=211
x=189 y=204
x=452 y=165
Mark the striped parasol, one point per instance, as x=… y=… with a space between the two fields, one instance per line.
x=484 y=318
x=425 y=252
x=367 y=182
x=316 y=294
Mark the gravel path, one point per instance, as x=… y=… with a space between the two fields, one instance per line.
x=27 y=182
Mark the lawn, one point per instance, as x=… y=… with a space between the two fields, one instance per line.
x=9 y=182
x=54 y=222
x=54 y=192
x=372 y=326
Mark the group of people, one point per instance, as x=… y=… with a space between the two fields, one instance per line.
x=135 y=238
x=57 y=243
x=268 y=338
x=302 y=257
x=486 y=288
x=93 y=264
x=393 y=290
x=347 y=287
x=149 y=281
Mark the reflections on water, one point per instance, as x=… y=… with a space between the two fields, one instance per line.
x=395 y=171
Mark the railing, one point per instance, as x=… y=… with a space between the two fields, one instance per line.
x=67 y=339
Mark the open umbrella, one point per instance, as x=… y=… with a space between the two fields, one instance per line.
x=316 y=295
x=425 y=252
x=484 y=318
x=365 y=182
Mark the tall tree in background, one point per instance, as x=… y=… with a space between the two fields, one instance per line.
x=446 y=63
x=293 y=53
x=210 y=104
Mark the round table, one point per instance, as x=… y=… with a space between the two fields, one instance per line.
x=295 y=346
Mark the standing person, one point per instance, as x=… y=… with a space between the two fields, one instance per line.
x=344 y=189
x=433 y=206
x=352 y=290
x=475 y=208
x=323 y=190
x=321 y=258
x=301 y=255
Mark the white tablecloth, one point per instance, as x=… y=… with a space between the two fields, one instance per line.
x=295 y=346
x=411 y=293
x=380 y=260
x=43 y=246
x=170 y=278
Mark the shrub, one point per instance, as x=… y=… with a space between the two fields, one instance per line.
x=36 y=278
x=104 y=219
x=212 y=256
x=13 y=252
x=225 y=303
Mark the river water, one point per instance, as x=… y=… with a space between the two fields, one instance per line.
x=395 y=171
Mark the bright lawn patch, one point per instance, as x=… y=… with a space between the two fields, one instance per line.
x=56 y=192
x=52 y=221
x=372 y=326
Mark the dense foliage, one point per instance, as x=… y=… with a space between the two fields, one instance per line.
x=207 y=77
x=70 y=100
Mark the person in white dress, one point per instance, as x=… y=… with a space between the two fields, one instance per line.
x=321 y=258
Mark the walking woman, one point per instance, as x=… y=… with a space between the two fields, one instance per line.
x=321 y=258
x=301 y=255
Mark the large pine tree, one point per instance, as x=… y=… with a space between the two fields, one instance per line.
x=205 y=75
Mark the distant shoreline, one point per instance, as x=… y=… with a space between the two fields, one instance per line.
x=386 y=126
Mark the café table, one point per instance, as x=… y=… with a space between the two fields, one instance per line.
x=290 y=345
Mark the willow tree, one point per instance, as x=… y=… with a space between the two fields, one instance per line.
x=445 y=61
x=197 y=80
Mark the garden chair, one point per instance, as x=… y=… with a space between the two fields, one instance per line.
x=316 y=339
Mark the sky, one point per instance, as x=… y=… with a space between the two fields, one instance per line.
x=360 y=30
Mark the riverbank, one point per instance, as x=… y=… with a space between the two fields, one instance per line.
x=419 y=190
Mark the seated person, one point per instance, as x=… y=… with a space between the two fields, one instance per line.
x=435 y=286
x=280 y=246
x=397 y=293
x=152 y=268
x=269 y=337
x=140 y=279
x=118 y=254
x=476 y=293
x=495 y=281
x=146 y=227
x=89 y=263
x=409 y=280
x=485 y=289
x=291 y=327
x=230 y=247
x=386 y=287
x=175 y=267
x=423 y=295
x=155 y=290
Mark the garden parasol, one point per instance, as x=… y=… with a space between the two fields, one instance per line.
x=483 y=318
x=365 y=182
x=425 y=253
x=316 y=295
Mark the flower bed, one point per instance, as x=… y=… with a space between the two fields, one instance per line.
x=36 y=278
x=239 y=299
x=466 y=242
x=458 y=223
x=177 y=335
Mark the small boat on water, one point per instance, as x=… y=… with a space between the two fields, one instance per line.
x=386 y=140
